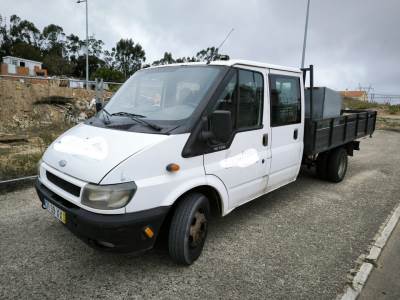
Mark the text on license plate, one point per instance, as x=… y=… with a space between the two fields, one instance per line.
x=55 y=211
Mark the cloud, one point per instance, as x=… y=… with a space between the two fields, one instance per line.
x=350 y=42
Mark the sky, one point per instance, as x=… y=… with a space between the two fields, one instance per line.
x=350 y=42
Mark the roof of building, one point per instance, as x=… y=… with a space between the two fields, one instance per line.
x=24 y=59
x=354 y=93
x=238 y=62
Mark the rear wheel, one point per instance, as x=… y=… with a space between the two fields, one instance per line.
x=337 y=165
x=188 y=229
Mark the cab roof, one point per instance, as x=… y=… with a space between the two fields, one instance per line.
x=237 y=62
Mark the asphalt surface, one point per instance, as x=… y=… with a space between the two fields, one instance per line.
x=297 y=242
x=384 y=281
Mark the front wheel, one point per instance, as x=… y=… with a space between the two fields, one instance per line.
x=188 y=229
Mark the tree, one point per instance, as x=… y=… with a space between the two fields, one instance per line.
x=166 y=60
x=186 y=59
x=109 y=74
x=54 y=40
x=73 y=46
x=95 y=46
x=5 y=41
x=128 y=56
x=109 y=58
x=65 y=54
x=210 y=53
x=24 y=50
x=57 y=65
x=201 y=56
x=24 y=31
x=80 y=65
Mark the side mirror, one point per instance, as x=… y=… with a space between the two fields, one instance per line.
x=221 y=125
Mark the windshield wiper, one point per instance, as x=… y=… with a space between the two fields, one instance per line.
x=106 y=116
x=137 y=118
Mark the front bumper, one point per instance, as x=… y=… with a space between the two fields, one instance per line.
x=122 y=233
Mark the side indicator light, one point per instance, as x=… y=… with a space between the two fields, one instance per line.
x=149 y=232
x=173 y=168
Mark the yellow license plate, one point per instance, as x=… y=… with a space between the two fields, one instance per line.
x=55 y=211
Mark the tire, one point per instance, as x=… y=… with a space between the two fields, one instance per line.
x=322 y=165
x=188 y=229
x=337 y=165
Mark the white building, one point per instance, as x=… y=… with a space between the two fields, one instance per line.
x=22 y=66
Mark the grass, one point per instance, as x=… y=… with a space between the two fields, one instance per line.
x=19 y=160
x=357 y=104
x=382 y=108
x=394 y=109
x=19 y=165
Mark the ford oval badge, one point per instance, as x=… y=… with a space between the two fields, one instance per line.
x=62 y=163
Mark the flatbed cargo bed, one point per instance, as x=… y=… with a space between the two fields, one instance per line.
x=323 y=135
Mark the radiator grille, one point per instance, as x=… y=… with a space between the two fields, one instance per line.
x=63 y=184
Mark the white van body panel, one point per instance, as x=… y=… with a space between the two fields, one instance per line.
x=91 y=152
x=155 y=185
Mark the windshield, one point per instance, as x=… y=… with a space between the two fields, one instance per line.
x=167 y=93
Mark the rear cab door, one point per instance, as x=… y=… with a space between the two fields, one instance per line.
x=286 y=94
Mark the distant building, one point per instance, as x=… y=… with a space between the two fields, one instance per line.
x=23 y=67
x=358 y=95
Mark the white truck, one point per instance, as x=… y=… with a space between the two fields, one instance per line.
x=178 y=142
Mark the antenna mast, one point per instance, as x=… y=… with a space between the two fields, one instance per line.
x=216 y=50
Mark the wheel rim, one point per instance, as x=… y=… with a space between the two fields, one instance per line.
x=198 y=229
x=342 y=166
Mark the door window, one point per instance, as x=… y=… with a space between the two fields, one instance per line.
x=226 y=100
x=250 y=99
x=285 y=100
x=243 y=100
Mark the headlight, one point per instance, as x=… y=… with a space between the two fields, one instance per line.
x=108 y=196
x=39 y=164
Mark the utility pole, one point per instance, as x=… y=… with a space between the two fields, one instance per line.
x=367 y=90
x=87 y=43
x=305 y=35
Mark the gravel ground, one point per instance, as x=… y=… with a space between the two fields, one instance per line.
x=297 y=242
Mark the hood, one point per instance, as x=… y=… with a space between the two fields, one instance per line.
x=89 y=153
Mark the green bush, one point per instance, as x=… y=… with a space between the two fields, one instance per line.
x=394 y=109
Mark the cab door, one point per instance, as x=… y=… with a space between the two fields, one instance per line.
x=243 y=163
x=287 y=119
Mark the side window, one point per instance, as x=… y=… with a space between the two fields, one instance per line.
x=243 y=97
x=285 y=100
x=251 y=91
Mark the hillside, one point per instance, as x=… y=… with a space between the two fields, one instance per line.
x=31 y=116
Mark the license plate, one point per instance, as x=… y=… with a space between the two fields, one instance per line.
x=56 y=212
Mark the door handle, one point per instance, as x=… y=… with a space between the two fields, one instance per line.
x=295 y=134
x=265 y=139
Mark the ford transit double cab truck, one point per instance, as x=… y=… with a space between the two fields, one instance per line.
x=179 y=141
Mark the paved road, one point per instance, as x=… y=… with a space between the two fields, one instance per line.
x=384 y=281
x=297 y=242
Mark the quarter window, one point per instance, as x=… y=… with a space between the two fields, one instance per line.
x=285 y=100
